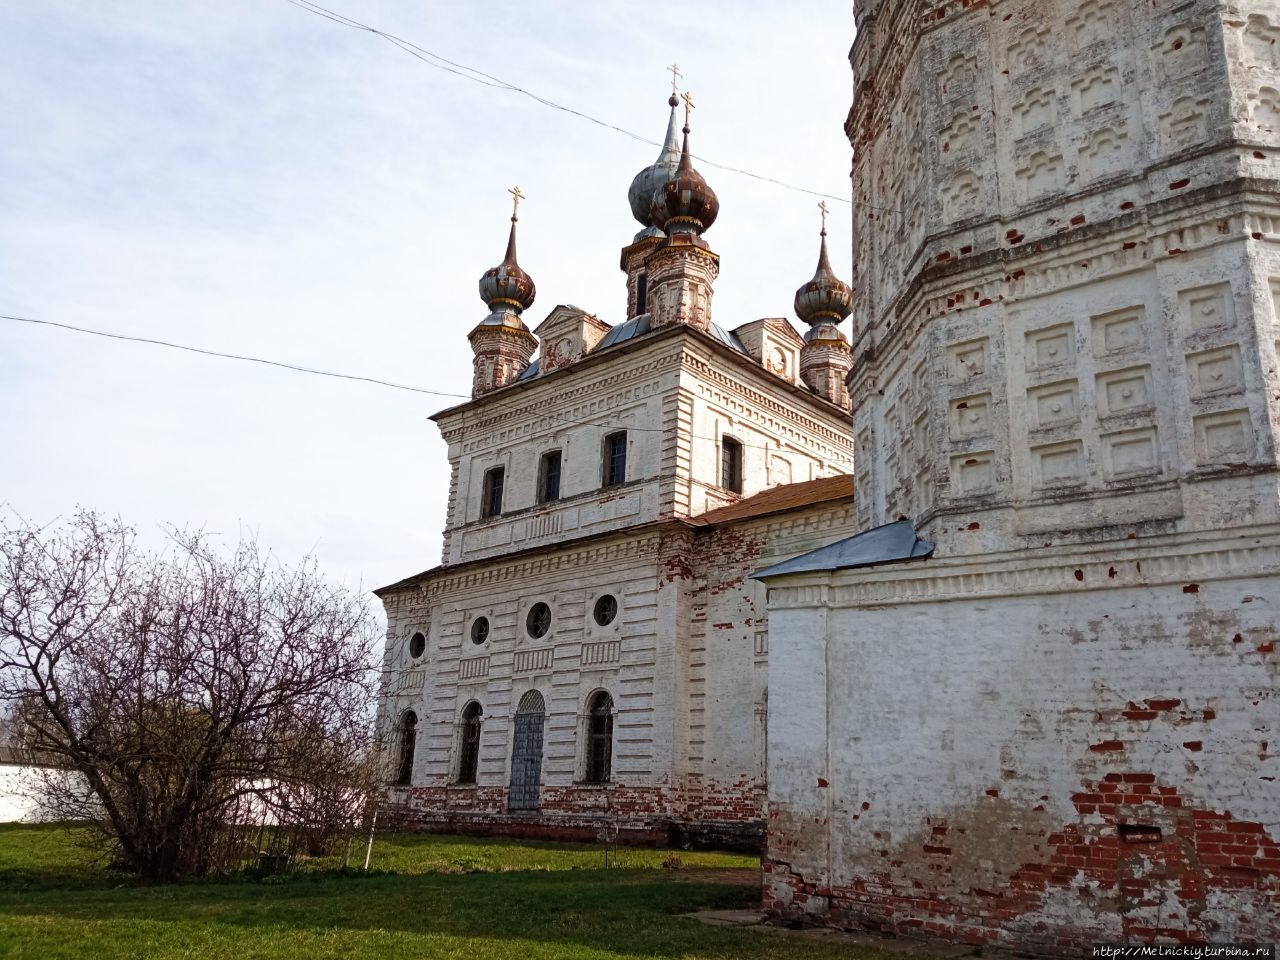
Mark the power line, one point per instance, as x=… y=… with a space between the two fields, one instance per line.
x=489 y=80
x=299 y=368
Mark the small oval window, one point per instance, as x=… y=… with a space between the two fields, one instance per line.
x=417 y=645
x=479 y=630
x=606 y=609
x=539 y=620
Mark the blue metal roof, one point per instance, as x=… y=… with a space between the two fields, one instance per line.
x=892 y=543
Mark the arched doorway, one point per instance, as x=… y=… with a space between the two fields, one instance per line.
x=526 y=752
x=408 y=742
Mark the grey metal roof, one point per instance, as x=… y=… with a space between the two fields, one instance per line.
x=531 y=371
x=627 y=331
x=638 y=326
x=893 y=543
x=727 y=338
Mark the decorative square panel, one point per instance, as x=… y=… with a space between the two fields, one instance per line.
x=1051 y=346
x=958 y=77
x=920 y=435
x=1054 y=404
x=967 y=360
x=1034 y=112
x=1028 y=48
x=1181 y=51
x=1185 y=123
x=1119 y=331
x=1041 y=173
x=1133 y=453
x=1058 y=464
x=1122 y=392
x=971 y=417
x=1104 y=154
x=1206 y=308
x=1092 y=23
x=973 y=473
x=1224 y=438
x=1216 y=372
x=1261 y=42
x=1096 y=87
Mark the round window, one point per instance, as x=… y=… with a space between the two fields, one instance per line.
x=479 y=630
x=606 y=609
x=417 y=645
x=539 y=620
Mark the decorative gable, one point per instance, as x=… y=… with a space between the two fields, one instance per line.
x=568 y=334
x=774 y=344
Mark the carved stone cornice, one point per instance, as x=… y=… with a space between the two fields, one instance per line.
x=705 y=370
x=1127 y=243
x=1171 y=560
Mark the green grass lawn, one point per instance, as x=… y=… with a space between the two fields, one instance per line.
x=425 y=897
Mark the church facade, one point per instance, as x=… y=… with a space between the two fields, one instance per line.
x=1043 y=712
x=590 y=656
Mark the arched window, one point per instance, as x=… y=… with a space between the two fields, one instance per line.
x=408 y=740
x=762 y=735
x=469 y=754
x=526 y=752
x=599 y=737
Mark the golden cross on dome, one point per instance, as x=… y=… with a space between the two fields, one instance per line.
x=687 y=97
x=516 y=197
x=823 y=207
x=675 y=77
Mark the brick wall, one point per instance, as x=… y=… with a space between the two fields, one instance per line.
x=964 y=758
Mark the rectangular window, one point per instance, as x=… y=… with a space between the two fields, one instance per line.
x=731 y=464
x=615 y=459
x=642 y=293
x=549 y=477
x=491 y=498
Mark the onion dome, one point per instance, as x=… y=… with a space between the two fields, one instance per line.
x=825 y=300
x=506 y=285
x=685 y=203
x=652 y=177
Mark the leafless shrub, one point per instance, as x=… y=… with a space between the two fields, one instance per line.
x=216 y=705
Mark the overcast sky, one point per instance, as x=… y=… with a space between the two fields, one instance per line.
x=245 y=176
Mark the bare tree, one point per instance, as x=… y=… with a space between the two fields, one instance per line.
x=195 y=691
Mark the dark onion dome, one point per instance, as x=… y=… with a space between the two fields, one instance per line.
x=506 y=284
x=685 y=203
x=826 y=299
x=652 y=177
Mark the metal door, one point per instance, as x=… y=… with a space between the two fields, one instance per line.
x=526 y=753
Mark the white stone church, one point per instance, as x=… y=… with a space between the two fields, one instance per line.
x=1019 y=687
x=591 y=654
